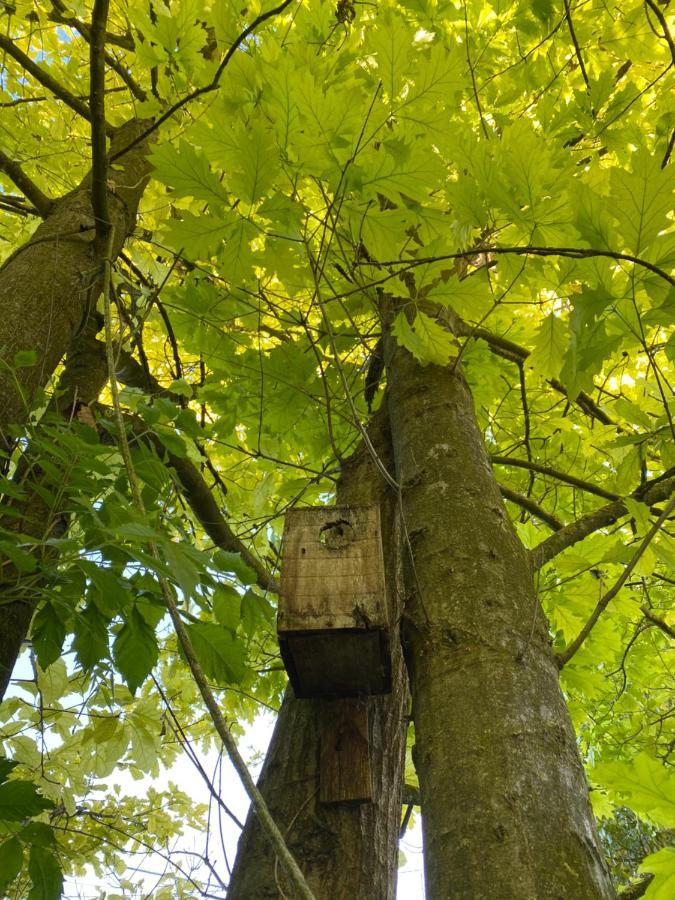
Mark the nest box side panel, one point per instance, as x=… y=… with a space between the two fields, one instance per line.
x=332 y=573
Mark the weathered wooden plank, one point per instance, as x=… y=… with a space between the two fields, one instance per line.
x=345 y=775
x=332 y=620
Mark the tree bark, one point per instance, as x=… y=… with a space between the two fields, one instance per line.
x=344 y=850
x=48 y=288
x=50 y=284
x=504 y=795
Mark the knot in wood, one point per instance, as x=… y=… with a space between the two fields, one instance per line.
x=337 y=535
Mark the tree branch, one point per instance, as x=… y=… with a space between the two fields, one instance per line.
x=45 y=79
x=86 y=32
x=16 y=206
x=554 y=473
x=203 y=505
x=602 y=604
x=272 y=831
x=58 y=14
x=410 y=795
x=515 y=353
x=31 y=191
x=99 y=147
x=577 y=48
x=654 y=492
x=638 y=889
x=532 y=507
x=658 y=622
x=669 y=149
x=569 y=252
x=664 y=25
x=194 y=488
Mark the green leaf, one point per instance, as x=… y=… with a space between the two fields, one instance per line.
x=183 y=567
x=425 y=339
x=6 y=766
x=662 y=866
x=25 y=358
x=135 y=650
x=256 y=612
x=199 y=237
x=391 y=43
x=437 y=77
x=91 y=637
x=642 y=200
x=46 y=875
x=23 y=561
x=470 y=297
x=19 y=800
x=48 y=633
x=11 y=860
x=38 y=833
x=252 y=162
x=646 y=784
x=399 y=167
x=235 y=256
x=226 y=561
x=227 y=606
x=137 y=531
x=187 y=172
x=221 y=656
x=109 y=594
x=549 y=348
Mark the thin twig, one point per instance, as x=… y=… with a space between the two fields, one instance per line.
x=567 y=654
x=554 y=473
x=58 y=14
x=569 y=252
x=669 y=149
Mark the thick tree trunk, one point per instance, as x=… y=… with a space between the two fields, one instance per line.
x=84 y=377
x=504 y=795
x=48 y=286
x=345 y=851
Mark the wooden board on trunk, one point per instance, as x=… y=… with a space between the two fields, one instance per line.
x=345 y=752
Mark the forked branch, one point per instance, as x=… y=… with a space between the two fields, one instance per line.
x=44 y=78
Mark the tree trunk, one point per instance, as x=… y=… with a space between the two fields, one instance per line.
x=48 y=288
x=504 y=795
x=344 y=850
x=50 y=284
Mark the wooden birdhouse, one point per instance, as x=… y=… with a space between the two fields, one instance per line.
x=332 y=620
